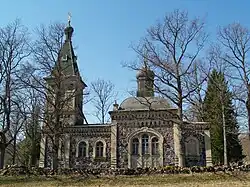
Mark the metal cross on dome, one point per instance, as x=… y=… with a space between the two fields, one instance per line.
x=69 y=18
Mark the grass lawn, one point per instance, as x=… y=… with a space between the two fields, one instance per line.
x=127 y=181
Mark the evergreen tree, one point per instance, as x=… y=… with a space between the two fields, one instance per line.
x=217 y=94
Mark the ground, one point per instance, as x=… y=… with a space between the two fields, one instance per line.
x=204 y=180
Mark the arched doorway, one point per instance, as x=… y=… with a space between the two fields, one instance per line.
x=145 y=149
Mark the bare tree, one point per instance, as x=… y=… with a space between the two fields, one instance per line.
x=170 y=49
x=25 y=148
x=18 y=119
x=32 y=101
x=14 y=49
x=46 y=52
x=235 y=45
x=104 y=97
x=198 y=79
x=50 y=76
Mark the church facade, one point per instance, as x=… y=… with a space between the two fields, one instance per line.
x=143 y=132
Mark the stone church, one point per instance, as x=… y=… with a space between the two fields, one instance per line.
x=143 y=131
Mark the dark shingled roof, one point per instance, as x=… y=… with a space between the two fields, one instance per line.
x=67 y=60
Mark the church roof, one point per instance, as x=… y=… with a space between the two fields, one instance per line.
x=67 y=60
x=144 y=103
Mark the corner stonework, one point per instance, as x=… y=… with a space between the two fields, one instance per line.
x=208 y=148
x=43 y=145
x=177 y=145
x=114 y=145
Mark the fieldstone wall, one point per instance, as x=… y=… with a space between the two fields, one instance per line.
x=90 y=134
x=197 y=131
x=126 y=127
x=89 y=161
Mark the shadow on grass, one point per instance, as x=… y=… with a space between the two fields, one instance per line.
x=236 y=176
x=124 y=180
x=56 y=180
x=20 y=179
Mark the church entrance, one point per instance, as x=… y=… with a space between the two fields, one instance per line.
x=145 y=150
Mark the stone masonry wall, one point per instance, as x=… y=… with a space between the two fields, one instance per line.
x=196 y=131
x=90 y=161
x=125 y=128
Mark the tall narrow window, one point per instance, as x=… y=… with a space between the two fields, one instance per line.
x=145 y=144
x=82 y=149
x=99 y=149
x=155 y=146
x=135 y=146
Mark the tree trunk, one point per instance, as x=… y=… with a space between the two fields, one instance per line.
x=2 y=154
x=103 y=116
x=55 y=153
x=180 y=116
x=33 y=156
x=224 y=133
x=14 y=152
x=182 y=141
x=248 y=112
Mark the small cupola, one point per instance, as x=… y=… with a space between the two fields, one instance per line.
x=145 y=82
x=69 y=30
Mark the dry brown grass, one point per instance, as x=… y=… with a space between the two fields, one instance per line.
x=197 y=180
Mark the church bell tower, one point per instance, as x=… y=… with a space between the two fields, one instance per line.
x=66 y=81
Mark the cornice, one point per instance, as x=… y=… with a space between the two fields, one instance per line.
x=88 y=130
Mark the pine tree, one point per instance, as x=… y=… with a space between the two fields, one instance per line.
x=217 y=94
x=234 y=148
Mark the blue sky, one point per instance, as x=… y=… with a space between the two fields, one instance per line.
x=104 y=30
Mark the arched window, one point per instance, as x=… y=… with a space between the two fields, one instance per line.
x=99 y=149
x=155 y=146
x=135 y=146
x=145 y=144
x=82 y=149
